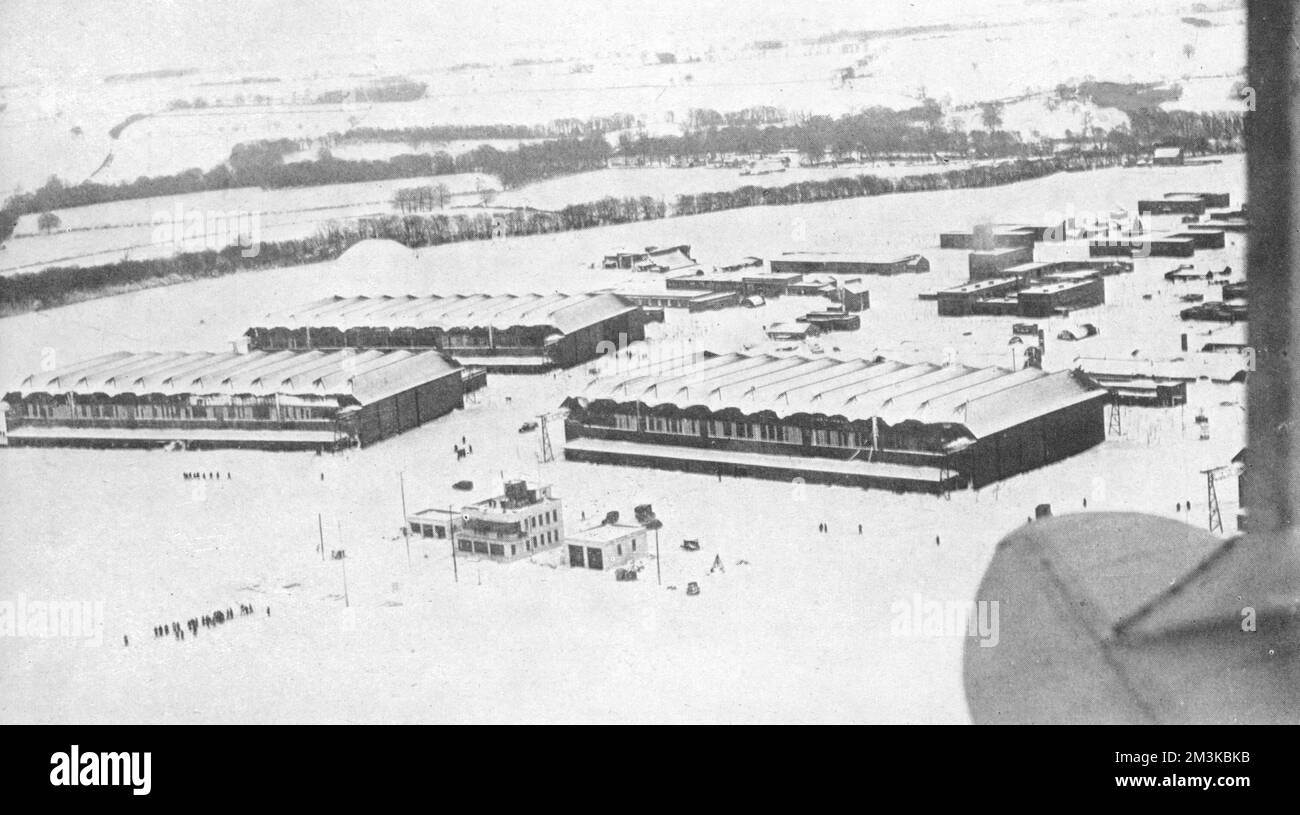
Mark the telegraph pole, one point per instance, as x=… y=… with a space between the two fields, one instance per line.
x=344 y=561
x=320 y=528
x=659 y=574
x=406 y=527
x=451 y=535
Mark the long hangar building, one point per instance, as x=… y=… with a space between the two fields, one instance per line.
x=267 y=400
x=863 y=422
x=503 y=333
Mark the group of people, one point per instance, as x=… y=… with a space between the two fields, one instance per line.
x=463 y=449
x=203 y=476
x=176 y=630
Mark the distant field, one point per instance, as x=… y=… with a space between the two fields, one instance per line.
x=103 y=233
x=1019 y=51
x=667 y=183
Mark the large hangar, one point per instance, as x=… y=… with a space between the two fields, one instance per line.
x=504 y=333
x=866 y=422
x=256 y=399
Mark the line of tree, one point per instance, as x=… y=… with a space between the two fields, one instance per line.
x=881 y=132
x=59 y=285
x=872 y=134
x=262 y=164
x=559 y=128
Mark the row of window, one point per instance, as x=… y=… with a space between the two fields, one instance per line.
x=429 y=530
x=759 y=431
x=684 y=427
x=97 y=410
x=548 y=517
x=481 y=547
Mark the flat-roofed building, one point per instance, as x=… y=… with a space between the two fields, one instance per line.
x=832 y=320
x=992 y=262
x=846 y=263
x=435 y=523
x=1173 y=205
x=1060 y=297
x=524 y=520
x=606 y=547
x=689 y=299
x=1218 y=200
x=959 y=300
x=791 y=331
x=504 y=333
x=1143 y=244
x=708 y=281
x=652 y=258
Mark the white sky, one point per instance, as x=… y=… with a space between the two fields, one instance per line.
x=75 y=39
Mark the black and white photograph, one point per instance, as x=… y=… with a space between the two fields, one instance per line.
x=682 y=362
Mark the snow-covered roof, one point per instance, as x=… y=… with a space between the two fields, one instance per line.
x=565 y=313
x=1188 y=367
x=365 y=376
x=983 y=400
x=606 y=533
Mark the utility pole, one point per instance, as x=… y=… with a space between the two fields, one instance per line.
x=1215 y=518
x=320 y=528
x=343 y=559
x=548 y=454
x=659 y=573
x=1114 y=428
x=406 y=527
x=451 y=522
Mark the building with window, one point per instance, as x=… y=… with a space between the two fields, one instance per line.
x=864 y=422
x=1167 y=156
x=438 y=524
x=653 y=259
x=503 y=333
x=607 y=546
x=519 y=523
x=841 y=263
x=319 y=400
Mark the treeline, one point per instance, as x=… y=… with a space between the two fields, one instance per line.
x=559 y=128
x=262 y=164
x=390 y=89
x=882 y=132
x=877 y=131
x=834 y=189
x=55 y=286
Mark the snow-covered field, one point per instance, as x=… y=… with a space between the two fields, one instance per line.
x=666 y=183
x=104 y=233
x=803 y=631
x=168 y=225
x=997 y=50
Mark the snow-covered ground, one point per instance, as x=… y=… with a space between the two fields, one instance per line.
x=168 y=225
x=60 y=124
x=802 y=631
